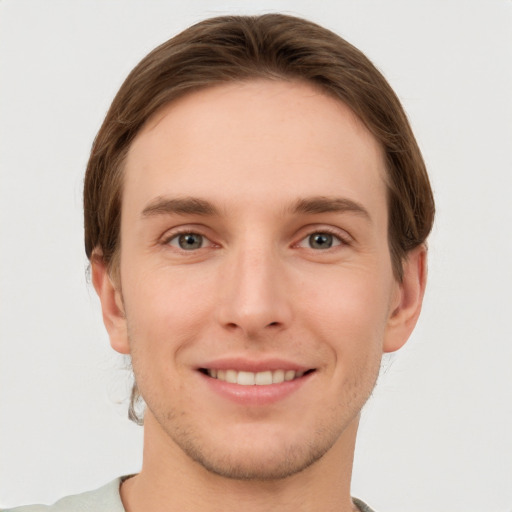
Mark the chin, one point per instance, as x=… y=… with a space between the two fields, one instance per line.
x=256 y=466
x=263 y=457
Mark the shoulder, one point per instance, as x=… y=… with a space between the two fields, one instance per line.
x=104 y=499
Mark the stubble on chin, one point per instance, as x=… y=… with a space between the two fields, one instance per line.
x=246 y=462
x=252 y=465
x=287 y=456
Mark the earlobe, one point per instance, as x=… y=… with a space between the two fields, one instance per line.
x=407 y=307
x=111 y=304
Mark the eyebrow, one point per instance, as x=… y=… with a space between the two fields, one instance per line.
x=323 y=204
x=197 y=206
x=180 y=206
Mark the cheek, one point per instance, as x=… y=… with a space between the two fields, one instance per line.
x=348 y=316
x=164 y=309
x=349 y=304
x=165 y=314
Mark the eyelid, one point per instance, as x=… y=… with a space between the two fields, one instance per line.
x=185 y=230
x=344 y=238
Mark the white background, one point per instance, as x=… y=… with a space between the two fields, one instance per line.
x=437 y=435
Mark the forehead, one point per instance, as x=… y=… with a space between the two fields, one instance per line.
x=272 y=139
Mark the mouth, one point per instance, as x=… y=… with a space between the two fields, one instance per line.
x=262 y=378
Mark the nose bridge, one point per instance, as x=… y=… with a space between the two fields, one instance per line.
x=253 y=297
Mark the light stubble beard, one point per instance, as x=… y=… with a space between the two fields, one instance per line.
x=289 y=461
x=279 y=462
x=285 y=461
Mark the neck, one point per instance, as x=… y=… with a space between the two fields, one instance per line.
x=170 y=482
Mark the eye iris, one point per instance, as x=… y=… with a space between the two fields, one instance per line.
x=320 y=240
x=190 y=241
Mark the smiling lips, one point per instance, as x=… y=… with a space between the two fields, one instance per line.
x=245 y=378
x=254 y=384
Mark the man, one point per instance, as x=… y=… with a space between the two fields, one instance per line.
x=256 y=211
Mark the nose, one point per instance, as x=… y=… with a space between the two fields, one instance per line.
x=254 y=297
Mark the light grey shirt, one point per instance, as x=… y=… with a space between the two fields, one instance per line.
x=104 y=499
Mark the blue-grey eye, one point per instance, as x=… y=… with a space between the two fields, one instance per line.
x=187 y=241
x=320 y=240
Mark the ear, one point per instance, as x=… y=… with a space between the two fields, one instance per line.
x=406 y=305
x=111 y=304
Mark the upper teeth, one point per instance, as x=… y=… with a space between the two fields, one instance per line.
x=258 y=378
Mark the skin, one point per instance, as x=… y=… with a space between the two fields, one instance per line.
x=265 y=155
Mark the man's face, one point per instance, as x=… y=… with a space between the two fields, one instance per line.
x=254 y=250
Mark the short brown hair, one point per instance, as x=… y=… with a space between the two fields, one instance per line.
x=239 y=48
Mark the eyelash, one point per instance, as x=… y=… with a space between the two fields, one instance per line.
x=342 y=241
x=175 y=235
